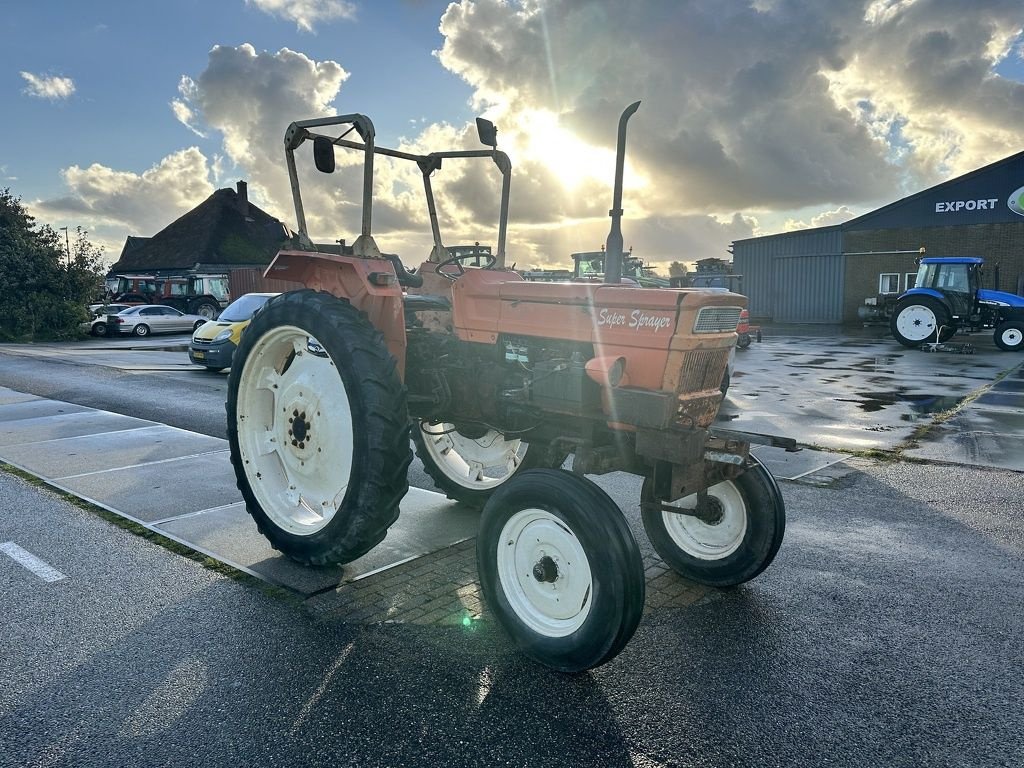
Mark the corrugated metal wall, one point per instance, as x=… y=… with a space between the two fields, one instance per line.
x=808 y=289
x=793 y=278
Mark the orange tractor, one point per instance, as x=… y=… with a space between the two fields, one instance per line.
x=498 y=380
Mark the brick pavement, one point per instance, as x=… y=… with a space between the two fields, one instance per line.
x=442 y=588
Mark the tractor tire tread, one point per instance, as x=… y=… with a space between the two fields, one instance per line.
x=383 y=401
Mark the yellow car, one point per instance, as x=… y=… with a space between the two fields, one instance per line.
x=214 y=343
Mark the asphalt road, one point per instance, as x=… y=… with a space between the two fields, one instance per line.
x=188 y=397
x=887 y=632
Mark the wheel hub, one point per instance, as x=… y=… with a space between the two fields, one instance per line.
x=709 y=509
x=545 y=570
x=300 y=430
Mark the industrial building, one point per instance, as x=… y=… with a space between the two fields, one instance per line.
x=823 y=275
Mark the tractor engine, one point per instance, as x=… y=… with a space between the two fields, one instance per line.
x=502 y=386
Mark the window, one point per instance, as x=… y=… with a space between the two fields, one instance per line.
x=911 y=280
x=889 y=282
x=953 y=277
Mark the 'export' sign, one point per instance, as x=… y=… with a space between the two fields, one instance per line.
x=951 y=206
x=1015 y=202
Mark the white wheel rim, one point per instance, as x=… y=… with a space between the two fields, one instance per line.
x=544 y=573
x=1012 y=337
x=709 y=541
x=294 y=430
x=917 y=322
x=478 y=463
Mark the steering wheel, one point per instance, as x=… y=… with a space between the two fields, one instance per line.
x=457 y=261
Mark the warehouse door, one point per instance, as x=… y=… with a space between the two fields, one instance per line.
x=807 y=289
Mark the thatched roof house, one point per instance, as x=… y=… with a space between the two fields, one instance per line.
x=222 y=233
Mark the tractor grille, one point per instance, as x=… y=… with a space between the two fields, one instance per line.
x=717 y=320
x=703 y=369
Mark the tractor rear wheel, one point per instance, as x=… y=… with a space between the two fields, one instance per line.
x=205 y=308
x=1009 y=336
x=919 y=319
x=736 y=542
x=318 y=428
x=560 y=569
x=470 y=468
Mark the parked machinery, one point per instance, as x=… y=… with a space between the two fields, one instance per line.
x=947 y=297
x=500 y=379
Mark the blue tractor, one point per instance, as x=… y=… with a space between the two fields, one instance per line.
x=948 y=297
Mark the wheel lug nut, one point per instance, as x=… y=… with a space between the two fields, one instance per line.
x=302 y=445
x=295 y=442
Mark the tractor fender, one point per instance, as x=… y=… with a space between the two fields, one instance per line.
x=370 y=285
x=924 y=292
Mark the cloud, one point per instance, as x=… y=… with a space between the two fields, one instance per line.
x=50 y=87
x=928 y=69
x=823 y=219
x=306 y=13
x=761 y=107
x=107 y=200
x=249 y=98
x=769 y=111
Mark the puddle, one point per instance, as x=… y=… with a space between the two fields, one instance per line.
x=882 y=364
x=920 y=405
x=1008 y=399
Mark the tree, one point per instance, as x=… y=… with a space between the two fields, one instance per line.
x=44 y=289
x=677 y=269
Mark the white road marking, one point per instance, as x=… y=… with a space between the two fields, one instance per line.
x=30 y=561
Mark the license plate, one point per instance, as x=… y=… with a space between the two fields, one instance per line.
x=200 y=355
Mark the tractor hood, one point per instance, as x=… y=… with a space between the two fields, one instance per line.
x=1001 y=297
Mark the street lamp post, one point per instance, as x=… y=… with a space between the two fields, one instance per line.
x=67 y=242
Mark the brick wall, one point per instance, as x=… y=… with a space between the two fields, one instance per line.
x=1001 y=244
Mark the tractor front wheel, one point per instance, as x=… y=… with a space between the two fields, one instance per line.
x=469 y=467
x=919 y=319
x=560 y=569
x=733 y=539
x=318 y=428
x=1009 y=336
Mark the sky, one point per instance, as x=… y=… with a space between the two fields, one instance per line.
x=756 y=116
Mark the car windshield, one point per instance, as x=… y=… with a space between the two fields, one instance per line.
x=244 y=308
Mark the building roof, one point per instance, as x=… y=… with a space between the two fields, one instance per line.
x=223 y=231
x=991 y=184
x=985 y=195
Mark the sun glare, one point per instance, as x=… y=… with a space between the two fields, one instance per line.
x=571 y=160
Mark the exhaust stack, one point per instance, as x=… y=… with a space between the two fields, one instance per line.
x=613 y=248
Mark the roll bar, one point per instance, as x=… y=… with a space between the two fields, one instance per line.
x=364 y=246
